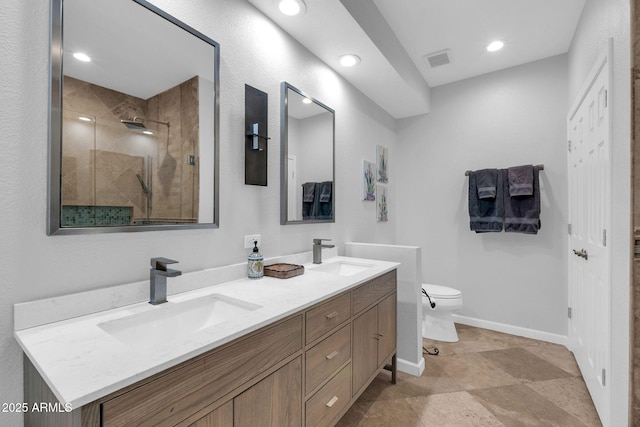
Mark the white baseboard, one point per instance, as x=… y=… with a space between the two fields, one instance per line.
x=513 y=330
x=411 y=368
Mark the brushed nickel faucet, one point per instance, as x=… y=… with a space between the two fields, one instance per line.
x=158 y=279
x=317 y=249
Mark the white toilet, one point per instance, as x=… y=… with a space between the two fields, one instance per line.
x=437 y=322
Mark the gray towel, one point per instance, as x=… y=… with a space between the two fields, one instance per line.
x=522 y=213
x=308 y=192
x=486 y=181
x=308 y=198
x=521 y=180
x=486 y=215
x=325 y=192
x=324 y=206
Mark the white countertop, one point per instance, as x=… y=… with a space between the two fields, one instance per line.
x=81 y=362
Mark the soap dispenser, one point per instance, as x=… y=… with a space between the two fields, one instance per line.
x=255 y=269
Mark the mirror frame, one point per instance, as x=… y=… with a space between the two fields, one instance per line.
x=284 y=154
x=54 y=192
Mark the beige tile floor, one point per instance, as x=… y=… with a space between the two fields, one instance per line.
x=486 y=379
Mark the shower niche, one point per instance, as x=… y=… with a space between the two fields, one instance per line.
x=133 y=142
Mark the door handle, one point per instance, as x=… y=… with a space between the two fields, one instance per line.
x=582 y=253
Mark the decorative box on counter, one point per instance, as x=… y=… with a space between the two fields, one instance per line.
x=283 y=271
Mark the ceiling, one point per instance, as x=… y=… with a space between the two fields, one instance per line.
x=393 y=37
x=133 y=50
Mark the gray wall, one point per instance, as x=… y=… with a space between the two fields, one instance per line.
x=254 y=51
x=601 y=20
x=507 y=118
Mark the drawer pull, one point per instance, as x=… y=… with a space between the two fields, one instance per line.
x=333 y=400
x=380 y=335
x=331 y=355
x=332 y=315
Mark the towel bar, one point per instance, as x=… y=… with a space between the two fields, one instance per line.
x=540 y=167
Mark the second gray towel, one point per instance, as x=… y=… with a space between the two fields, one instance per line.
x=521 y=180
x=324 y=203
x=522 y=213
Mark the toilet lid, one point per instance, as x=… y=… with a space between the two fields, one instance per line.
x=444 y=292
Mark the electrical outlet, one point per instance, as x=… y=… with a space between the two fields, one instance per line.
x=250 y=238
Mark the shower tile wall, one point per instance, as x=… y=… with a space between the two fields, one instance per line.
x=179 y=180
x=82 y=183
x=101 y=158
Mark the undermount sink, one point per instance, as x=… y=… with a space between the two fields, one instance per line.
x=171 y=321
x=342 y=268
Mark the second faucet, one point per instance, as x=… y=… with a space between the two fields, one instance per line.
x=317 y=249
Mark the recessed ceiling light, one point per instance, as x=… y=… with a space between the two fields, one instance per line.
x=147 y=132
x=349 y=60
x=82 y=57
x=495 y=46
x=306 y=101
x=292 y=7
x=85 y=119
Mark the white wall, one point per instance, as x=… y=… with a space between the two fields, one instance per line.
x=253 y=51
x=601 y=20
x=507 y=118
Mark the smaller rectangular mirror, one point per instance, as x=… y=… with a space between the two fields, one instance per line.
x=307 y=165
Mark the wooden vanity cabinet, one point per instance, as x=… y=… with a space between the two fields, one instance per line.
x=374 y=329
x=306 y=369
x=275 y=401
x=387 y=328
x=374 y=341
x=220 y=417
x=197 y=384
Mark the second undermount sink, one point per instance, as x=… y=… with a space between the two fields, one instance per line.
x=171 y=321
x=342 y=268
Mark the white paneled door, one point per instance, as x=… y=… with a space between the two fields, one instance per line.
x=589 y=240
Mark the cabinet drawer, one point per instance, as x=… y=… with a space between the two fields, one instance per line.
x=330 y=400
x=323 y=318
x=372 y=291
x=190 y=388
x=323 y=359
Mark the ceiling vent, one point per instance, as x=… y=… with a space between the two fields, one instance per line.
x=437 y=59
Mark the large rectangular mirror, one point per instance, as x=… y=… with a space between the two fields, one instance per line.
x=133 y=142
x=307 y=192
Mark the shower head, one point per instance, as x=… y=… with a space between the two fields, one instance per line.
x=137 y=123
x=133 y=124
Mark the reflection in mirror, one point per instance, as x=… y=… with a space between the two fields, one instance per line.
x=307 y=163
x=134 y=114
